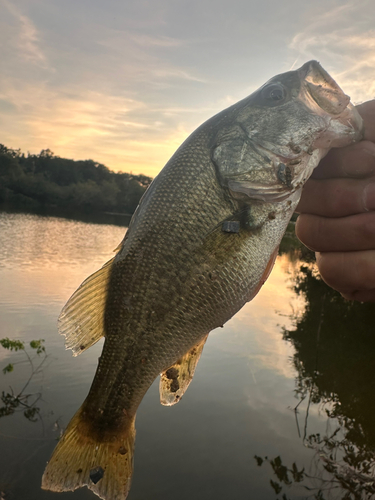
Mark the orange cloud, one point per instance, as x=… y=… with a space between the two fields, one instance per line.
x=92 y=125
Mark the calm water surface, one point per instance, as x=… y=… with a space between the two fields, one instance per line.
x=281 y=406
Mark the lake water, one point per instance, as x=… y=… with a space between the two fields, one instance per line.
x=281 y=406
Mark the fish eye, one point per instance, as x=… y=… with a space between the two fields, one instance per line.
x=274 y=92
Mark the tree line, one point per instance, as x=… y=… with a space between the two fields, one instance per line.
x=45 y=180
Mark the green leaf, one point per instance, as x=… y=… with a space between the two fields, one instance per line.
x=31 y=414
x=276 y=486
x=12 y=345
x=8 y=368
x=280 y=470
x=5 y=411
x=38 y=345
x=298 y=475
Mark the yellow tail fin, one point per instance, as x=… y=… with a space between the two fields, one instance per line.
x=105 y=467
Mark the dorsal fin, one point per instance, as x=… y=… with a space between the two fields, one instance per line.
x=175 y=380
x=82 y=318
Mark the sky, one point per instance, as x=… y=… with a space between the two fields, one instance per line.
x=124 y=82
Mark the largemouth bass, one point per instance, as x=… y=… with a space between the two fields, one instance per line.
x=200 y=245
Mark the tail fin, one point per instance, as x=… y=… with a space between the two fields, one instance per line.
x=105 y=467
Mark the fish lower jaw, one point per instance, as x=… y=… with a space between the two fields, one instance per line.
x=338 y=134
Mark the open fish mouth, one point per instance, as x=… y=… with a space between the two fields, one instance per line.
x=323 y=95
x=323 y=88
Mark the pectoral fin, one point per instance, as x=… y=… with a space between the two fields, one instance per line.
x=82 y=318
x=175 y=380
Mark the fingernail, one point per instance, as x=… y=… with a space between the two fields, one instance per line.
x=369 y=196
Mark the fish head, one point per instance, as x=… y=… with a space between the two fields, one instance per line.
x=271 y=141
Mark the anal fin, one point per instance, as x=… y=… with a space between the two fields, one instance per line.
x=175 y=380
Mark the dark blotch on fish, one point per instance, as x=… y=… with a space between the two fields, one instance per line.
x=175 y=385
x=171 y=373
x=96 y=474
x=284 y=174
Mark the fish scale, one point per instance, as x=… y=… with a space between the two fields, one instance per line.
x=152 y=280
x=199 y=246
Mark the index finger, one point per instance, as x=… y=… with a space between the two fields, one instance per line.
x=356 y=160
x=367 y=111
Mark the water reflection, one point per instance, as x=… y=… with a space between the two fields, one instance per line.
x=296 y=354
x=334 y=359
x=112 y=218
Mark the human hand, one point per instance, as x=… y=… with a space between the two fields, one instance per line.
x=337 y=215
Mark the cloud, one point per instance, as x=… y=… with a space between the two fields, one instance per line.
x=122 y=133
x=23 y=36
x=172 y=73
x=343 y=40
x=124 y=85
x=156 y=41
x=144 y=59
x=106 y=100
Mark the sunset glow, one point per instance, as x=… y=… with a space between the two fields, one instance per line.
x=124 y=85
